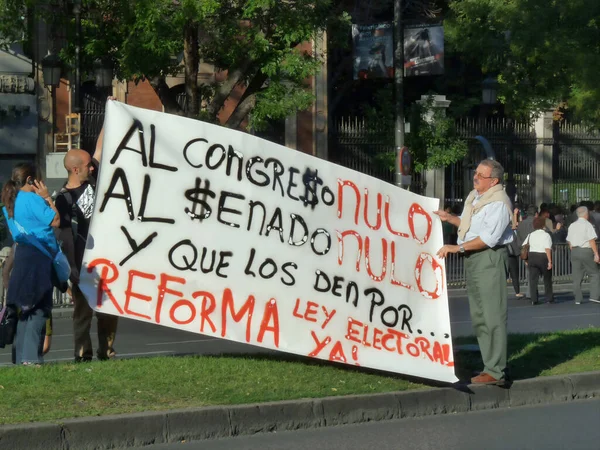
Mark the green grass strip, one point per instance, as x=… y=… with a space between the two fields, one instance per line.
x=58 y=391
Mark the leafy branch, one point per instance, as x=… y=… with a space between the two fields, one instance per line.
x=432 y=141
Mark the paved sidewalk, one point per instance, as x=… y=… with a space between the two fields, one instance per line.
x=138 y=430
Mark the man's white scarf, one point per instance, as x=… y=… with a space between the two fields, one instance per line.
x=493 y=194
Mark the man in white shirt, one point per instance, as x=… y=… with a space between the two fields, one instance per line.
x=484 y=230
x=584 y=255
x=539 y=261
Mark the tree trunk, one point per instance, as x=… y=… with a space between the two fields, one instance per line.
x=191 y=60
x=247 y=101
x=165 y=95
x=225 y=89
x=242 y=110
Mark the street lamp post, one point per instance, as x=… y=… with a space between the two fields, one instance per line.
x=51 y=68
x=399 y=89
x=489 y=91
x=103 y=72
x=77 y=85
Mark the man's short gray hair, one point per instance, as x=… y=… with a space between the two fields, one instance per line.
x=582 y=211
x=497 y=169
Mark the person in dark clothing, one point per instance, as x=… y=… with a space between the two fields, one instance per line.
x=46 y=334
x=514 y=250
x=75 y=204
x=523 y=230
x=526 y=225
x=448 y=230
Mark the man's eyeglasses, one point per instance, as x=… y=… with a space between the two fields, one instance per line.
x=480 y=175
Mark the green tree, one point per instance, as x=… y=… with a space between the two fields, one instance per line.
x=544 y=52
x=432 y=140
x=255 y=41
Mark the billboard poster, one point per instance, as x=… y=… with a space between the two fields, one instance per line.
x=423 y=50
x=373 y=50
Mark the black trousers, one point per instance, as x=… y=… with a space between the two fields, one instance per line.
x=538 y=266
x=513 y=271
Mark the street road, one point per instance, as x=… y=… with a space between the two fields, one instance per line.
x=136 y=338
x=564 y=426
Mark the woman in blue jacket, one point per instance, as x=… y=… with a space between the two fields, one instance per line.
x=31 y=216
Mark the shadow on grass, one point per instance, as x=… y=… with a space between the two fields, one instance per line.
x=531 y=354
x=292 y=358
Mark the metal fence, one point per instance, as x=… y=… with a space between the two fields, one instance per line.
x=455 y=273
x=576 y=164
x=561 y=268
x=367 y=147
x=93 y=102
x=363 y=146
x=514 y=144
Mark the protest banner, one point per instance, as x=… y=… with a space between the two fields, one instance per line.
x=217 y=232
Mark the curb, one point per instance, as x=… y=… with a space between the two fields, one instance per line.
x=136 y=430
x=558 y=288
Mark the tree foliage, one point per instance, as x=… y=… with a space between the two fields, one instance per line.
x=432 y=141
x=255 y=41
x=543 y=52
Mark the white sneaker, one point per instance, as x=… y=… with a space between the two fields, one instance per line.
x=594 y=300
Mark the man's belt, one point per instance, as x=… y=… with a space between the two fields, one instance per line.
x=473 y=252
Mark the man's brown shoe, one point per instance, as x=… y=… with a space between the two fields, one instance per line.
x=484 y=378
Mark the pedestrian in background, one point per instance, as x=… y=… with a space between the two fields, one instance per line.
x=591 y=217
x=514 y=252
x=523 y=230
x=75 y=203
x=548 y=222
x=484 y=230
x=539 y=261
x=46 y=336
x=448 y=230
x=31 y=216
x=584 y=255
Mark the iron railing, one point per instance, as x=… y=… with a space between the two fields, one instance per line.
x=561 y=268
x=92 y=114
x=455 y=273
x=362 y=145
x=514 y=144
x=576 y=164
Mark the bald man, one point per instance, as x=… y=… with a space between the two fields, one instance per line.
x=75 y=204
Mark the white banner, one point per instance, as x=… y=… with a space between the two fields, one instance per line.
x=217 y=232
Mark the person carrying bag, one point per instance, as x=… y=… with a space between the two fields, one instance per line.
x=8 y=325
x=61 y=269
x=31 y=216
x=537 y=252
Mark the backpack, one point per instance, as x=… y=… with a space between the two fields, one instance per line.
x=67 y=236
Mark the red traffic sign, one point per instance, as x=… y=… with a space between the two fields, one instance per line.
x=405 y=161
